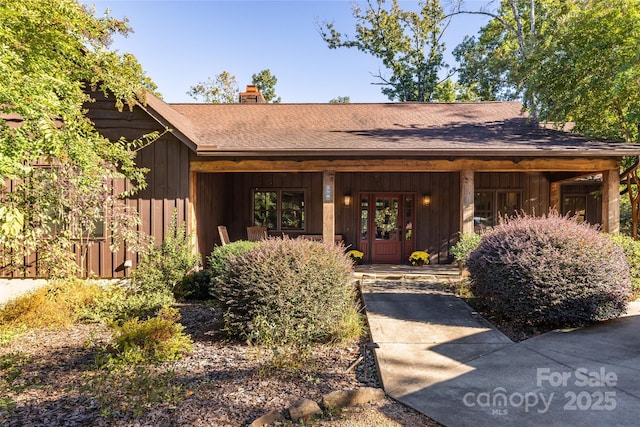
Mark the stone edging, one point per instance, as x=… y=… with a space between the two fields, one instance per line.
x=306 y=408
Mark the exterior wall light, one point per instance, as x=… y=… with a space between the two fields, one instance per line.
x=347 y=200
x=426 y=199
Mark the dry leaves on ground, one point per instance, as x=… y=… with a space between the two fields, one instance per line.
x=48 y=378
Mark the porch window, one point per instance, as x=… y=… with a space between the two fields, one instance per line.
x=489 y=205
x=279 y=210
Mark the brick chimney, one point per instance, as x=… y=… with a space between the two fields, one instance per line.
x=252 y=96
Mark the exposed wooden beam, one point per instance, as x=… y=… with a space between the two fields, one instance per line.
x=560 y=177
x=328 y=206
x=467 y=187
x=554 y=196
x=585 y=166
x=611 y=201
x=192 y=221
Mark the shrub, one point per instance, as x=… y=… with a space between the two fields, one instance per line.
x=631 y=249
x=165 y=266
x=156 y=339
x=626 y=216
x=468 y=243
x=286 y=291
x=194 y=286
x=220 y=254
x=153 y=282
x=549 y=271
x=121 y=301
x=58 y=304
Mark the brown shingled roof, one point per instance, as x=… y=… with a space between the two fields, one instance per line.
x=426 y=129
x=164 y=114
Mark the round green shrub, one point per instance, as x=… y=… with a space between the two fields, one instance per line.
x=220 y=254
x=287 y=291
x=549 y=271
x=194 y=286
x=156 y=339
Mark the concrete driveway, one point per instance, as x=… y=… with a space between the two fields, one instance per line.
x=439 y=357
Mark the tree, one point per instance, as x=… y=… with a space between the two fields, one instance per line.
x=484 y=70
x=55 y=168
x=587 y=71
x=408 y=43
x=495 y=63
x=452 y=91
x=223 y=89
x=266 y=82
x=340 y=100
x=571 y=61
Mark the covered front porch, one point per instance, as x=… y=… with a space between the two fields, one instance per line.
x=386 y=212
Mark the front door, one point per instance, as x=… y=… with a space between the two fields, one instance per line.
x=386 y=227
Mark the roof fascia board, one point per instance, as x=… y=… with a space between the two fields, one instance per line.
x=551 y=153
x=167 y=124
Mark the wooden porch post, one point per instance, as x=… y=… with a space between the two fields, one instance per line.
x=554 y=196
x=192 y=220
x=466 y=201
x=328 y=206
x=611 y=201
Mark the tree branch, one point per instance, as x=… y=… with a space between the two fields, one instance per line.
x=498 y=18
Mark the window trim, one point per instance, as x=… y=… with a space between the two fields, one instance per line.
x=279 y=192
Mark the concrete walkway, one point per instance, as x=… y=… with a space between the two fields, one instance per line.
x=439 y=357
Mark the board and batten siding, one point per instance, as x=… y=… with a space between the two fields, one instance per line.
x=167 y=188
x=225 y=199
x=533 y=185
x=436 y=226
x=167 y=160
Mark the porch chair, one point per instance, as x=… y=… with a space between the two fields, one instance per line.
x=255 y=234
x=224 y=236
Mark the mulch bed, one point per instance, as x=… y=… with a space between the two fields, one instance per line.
x=49 y=378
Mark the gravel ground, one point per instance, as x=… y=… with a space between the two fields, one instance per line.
x=48 y=378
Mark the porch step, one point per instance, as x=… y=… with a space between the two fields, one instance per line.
x=436 y=272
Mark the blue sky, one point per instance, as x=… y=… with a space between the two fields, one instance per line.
x=180 y=43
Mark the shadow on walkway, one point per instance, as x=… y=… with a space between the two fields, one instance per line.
x=441 y=358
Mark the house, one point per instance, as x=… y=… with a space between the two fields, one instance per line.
x=386 y=178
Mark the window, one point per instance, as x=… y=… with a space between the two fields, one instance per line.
x=364 y=217
x=489 y=205
x=279 y=210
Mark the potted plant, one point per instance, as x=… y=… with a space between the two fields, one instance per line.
x=356 y=256
x=419 y=258
x=468 y=243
